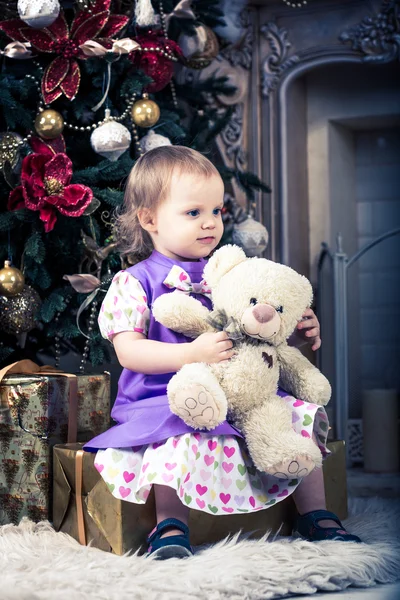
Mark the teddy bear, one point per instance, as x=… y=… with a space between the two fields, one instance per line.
x=258 y=303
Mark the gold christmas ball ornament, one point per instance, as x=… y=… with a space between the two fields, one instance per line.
x=12 y=281
x=145 y=112
x=18 y=313
x=49 y=124
x=201 y=48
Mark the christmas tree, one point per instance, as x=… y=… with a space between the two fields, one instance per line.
x=85 y=88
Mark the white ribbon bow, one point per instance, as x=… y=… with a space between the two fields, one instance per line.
x=123 y=46
x=18 y=50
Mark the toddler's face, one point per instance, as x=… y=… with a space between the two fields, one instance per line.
x=188 y=223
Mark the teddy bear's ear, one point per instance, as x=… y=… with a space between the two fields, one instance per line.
x=222 y=261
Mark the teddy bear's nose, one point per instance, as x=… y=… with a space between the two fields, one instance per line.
x=263 y=313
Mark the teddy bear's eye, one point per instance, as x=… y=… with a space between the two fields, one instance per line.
x=279 y=309
x=253 y=301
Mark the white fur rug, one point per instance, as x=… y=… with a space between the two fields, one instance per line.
x=37 y=563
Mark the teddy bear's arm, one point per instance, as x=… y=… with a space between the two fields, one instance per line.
x=299 y=377
x=182 y=313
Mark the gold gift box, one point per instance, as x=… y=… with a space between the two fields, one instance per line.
x=92 y=514
x=38 y=409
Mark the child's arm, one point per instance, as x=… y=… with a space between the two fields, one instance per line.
x=137 y=353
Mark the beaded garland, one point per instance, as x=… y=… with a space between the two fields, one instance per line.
x=295 y=4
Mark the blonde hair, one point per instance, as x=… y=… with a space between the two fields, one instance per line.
x=147 y=186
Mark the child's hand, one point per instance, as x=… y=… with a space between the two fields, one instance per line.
x=211 y=348
x=309 y=329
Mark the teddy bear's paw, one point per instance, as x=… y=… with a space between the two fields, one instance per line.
x=198 y=407
x=292 y=468
x=318 y=390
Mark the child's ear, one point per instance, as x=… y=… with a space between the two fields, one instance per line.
x=147 y=220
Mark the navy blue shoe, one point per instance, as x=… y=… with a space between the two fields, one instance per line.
x=173 y=546
x=307 y=527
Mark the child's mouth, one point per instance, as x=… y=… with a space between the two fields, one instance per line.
x=206 y=240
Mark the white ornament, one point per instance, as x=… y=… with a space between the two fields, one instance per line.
x=110 y=139
x=38 y=13
x=250 y=235
x=153 y=140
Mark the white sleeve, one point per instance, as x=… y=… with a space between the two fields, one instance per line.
x=125 y=307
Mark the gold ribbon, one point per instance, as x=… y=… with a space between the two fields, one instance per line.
x=28 y=367
x=78 y=497
x=18 y=50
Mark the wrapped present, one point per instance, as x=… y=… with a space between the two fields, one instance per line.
x=41 y=407
x=85 y=508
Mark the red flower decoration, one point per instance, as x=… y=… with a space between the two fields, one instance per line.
x=156 y=65
x=62 y=76
x=45 y=185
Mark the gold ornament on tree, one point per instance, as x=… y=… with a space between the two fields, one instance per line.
x=201 y=48
x=145 y=112
x=49 y=124
x=12 y=281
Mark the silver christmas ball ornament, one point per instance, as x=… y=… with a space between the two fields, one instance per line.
x=18 y=313
x=38 y=13
x=153 y=140
x=110 y=139
x=10 y=150
x=250 y=235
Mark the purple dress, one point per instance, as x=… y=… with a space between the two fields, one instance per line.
x=141 y=409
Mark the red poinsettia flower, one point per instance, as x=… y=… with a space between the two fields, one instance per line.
x=62 y=76
x=45 y=187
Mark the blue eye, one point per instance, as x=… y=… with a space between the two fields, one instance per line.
x=193 y=213
x=217 y=211
x=279 y=309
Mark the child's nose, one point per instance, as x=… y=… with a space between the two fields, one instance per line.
x=209 y=224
